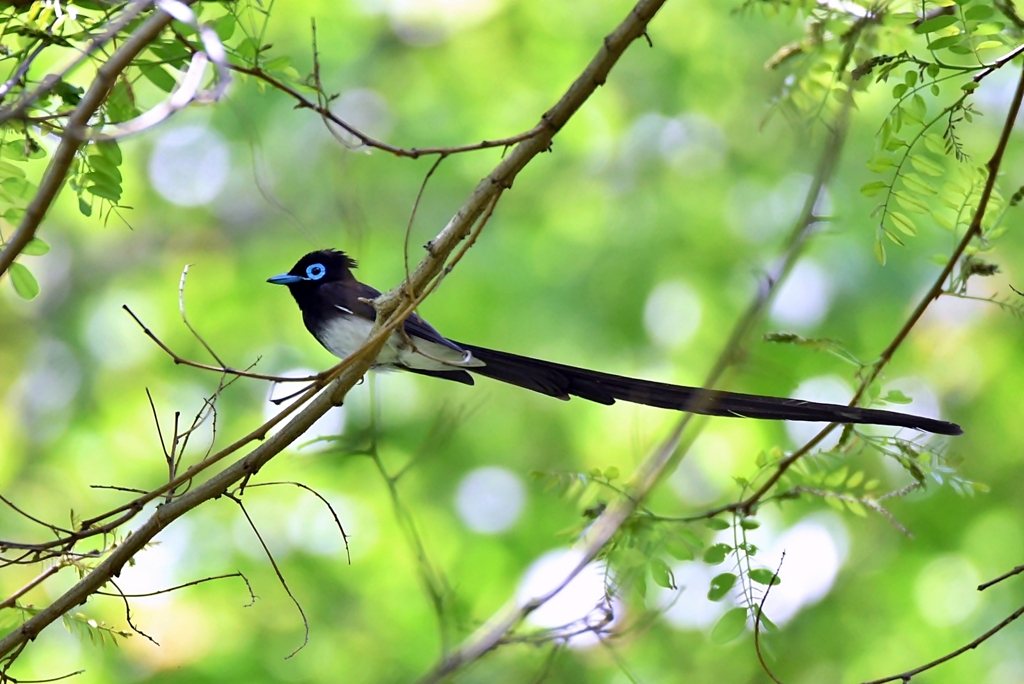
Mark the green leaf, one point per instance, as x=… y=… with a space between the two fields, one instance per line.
x=662 y=574
x=856 y=507
x=110 y=150
x=903 y=222
x=105 y=168
x=25 y=284
x=36 y=247
x=989 y=29
x=880 y=164
x=690 y=538
x=121 y=103
x=611 y=473
x=855 y=479
x=248 y=48
x=960 y=50
x=896 y=397
x=837 y=478
x=730 y=626
x=910 y=78
x=717 y=523
x=749 y=524
x=716 y=553
x=105 y=191
x=84 y=207
x=927 y=166
x=224 y=27
x=872 y=189
x=766 y=624
x=911 y=203
x=979 y=12
x=278 y=63
x=935 y=23
x=679 y=549
x=764 y=576
x=159 y=77
x=917 y=184
x=917 y=108
x=935 y=143
x=173 y=53
x=9 y=169
x=990 y=45
x=720 y=586
x=899 y=90
x=879 y=251
x=945 y=42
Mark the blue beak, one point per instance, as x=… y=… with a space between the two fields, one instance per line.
x=285 y=279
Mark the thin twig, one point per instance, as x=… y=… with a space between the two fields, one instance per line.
x=757 y=623
x=330 y=507
x=910 y=674
x=182 y=361
x=32 y=584
x=277 y=571
x=1016 y=571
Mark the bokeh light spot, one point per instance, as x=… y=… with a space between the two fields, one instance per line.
x=490 y=500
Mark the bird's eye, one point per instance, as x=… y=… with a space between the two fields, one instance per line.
x=315 y=271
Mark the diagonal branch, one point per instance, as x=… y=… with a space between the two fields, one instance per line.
x=393 y=306
x=72 y=139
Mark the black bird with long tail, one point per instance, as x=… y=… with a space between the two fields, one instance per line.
x=335 y=310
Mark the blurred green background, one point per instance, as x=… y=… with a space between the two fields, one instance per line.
x=632 y=248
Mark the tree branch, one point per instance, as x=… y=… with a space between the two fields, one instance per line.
x=394 y=306
x=72 y=138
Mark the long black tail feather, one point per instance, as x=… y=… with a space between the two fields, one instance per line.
x=563 y=382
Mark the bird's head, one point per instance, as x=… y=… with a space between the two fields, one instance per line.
x=315 y=269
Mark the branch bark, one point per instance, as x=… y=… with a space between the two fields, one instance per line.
x=394 y=306
x=57 y=170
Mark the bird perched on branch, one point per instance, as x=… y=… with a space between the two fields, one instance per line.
x=336 y=310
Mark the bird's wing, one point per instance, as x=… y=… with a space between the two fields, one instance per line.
x=354 y=300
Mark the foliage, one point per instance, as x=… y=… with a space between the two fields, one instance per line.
x=676 y=176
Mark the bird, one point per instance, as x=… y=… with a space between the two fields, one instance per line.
x=337 y=310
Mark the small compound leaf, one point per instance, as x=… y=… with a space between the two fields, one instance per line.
x=158 y=76
x=903 y=222
x=720 y=586
x=896 y=397
x=927 y=166
x=918 y=184
x=110 y=150
x=730 y=626
x=224 y=27
x=679 y=549
x=979 y=12
x=662 y=574
x=36 y=247
x=945 y=42
x=25 y=284
x=935 y=23
x=879 y=251
x=764 y=576
x=872 y=189
x=716 y=553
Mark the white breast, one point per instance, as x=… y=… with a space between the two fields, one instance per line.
x=345 y=334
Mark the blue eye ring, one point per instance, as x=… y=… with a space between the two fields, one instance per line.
x=315 y=271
